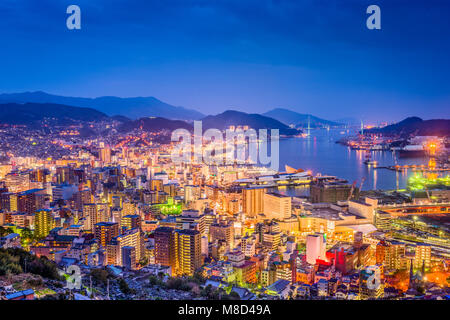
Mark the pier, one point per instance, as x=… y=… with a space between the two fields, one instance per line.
x=414 y=167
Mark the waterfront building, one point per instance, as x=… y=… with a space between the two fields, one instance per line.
x=277 y=206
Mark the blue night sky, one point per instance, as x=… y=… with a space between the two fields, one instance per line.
x=310 y=56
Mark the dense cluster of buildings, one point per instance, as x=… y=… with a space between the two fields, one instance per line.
x=133 y=208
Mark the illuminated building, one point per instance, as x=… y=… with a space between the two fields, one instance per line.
x=11 y=240
x=283 y=270
x=347 y=258
x=222 y=231
x=271 y=240
x=130 y=238
x=236 y=258
x=315 y=247
x=82 y=197
x=219 y=249
x=267 y=277
x=17 y=181
x=9 y=201
x=253 y=201
x=370 y=289
x=191 y=193
x=189 y=251
x=90 y=213
x=95 y=213
x=383 y=220
x=422 y=256
x=64 y=175
x=170 y=189
x=43 y=222
x=205 y=246
x=105 y=232
x=289 y=225
x=128 y=208
x=192 y=219
x=246 y=272
x=248 y=246
x=233 y=206
x=392 y=255
x=277 y=206
x=364 y=208
x=105 y=155
x=23 y=220
x=130 y=222
x=166 y=247
x=31 y=200
x=156 y=185
x=305 y=274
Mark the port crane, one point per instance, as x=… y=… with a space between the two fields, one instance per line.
x=353 y=188
x=351 y=191
x=362 y=183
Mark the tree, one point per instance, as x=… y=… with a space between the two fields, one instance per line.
x=5 y=231
x=144 y=261
x=123 y=286
x=99 y=275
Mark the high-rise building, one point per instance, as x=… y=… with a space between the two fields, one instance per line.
x=9 y=201
x=315 y=247
x=17 y=181
x=192 y=219
x=395 y=256
x=64 y=175
x=31 y=200
x=253 y=201
x=131 y=221
x=191 y=193
x=222 y=231
x=422 y=257
x=105 y=155
x=105 y=232
x=43 y=222
x=129 y=257
x=189 y=251
x=130 y=238
x=166 y=248
x=277 y=206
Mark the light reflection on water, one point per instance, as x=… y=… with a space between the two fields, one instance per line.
x=321 y=154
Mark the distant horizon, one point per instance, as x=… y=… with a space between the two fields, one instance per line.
x=230 y=108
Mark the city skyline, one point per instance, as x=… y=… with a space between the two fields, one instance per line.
x=212 y=157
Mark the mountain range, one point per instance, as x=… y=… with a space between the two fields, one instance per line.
x=154 y=124
x=416 y=126
x=151 y=114
x=256 y=121
x=130 y=107
x=31 y=113
x=296 y=119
